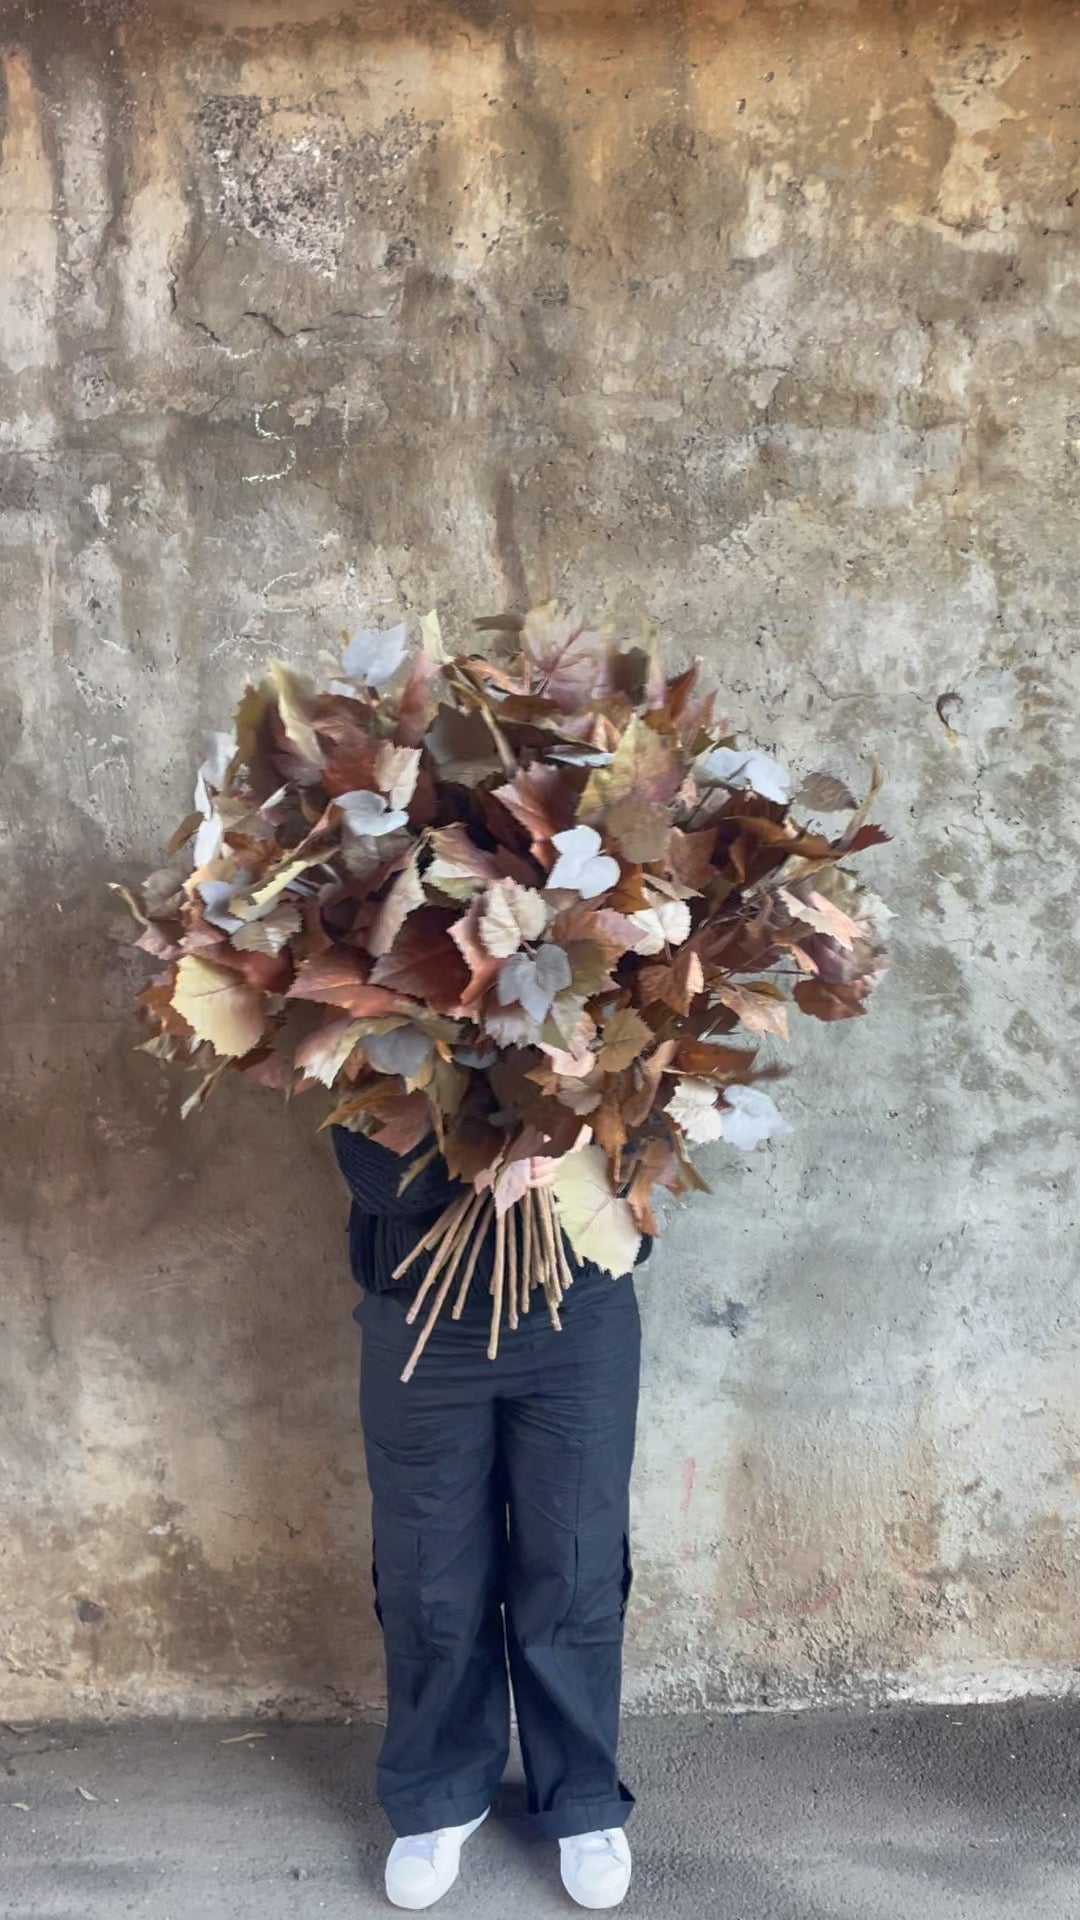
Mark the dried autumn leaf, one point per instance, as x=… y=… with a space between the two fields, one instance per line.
x=626 y=1035
x=581 y=865
x=667 y=924
x=645 y=764
x=825 y=1002
x=511 y=914
x=749 y=1117
x=694 y=1108
x=322 y=1055
x=373 y=657
x=825 y=794
x=404 y=896
x=396 y=769
x=821 y=914
x=542 y=800
x=460 y=868
x=337 y=980
x=759 y=1012
x=294 y=702
x=424 y=961
x=597 y=1222
x=569 y=658
x=675 y=985
x=218 y=1006
x=534 y=983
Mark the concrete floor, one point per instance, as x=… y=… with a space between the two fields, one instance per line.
x=906 y=1814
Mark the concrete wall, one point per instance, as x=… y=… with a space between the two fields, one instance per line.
x=765 y=318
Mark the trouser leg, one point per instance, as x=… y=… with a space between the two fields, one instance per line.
x=439 y=1544
x=568 y=1445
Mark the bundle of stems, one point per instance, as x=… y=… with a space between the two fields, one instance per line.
x=529 y=1252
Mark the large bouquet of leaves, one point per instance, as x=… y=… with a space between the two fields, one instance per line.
x=540 y=906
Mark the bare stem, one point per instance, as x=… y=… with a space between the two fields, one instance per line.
x=444 y=1249
x=526 y=1248
x=482 y=1226
x=512 y=1266
x=497 y=1278
x=433 y=1233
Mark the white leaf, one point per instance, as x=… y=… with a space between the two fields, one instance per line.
x=208 y=841
x=534 y=983
x=512 y=913
x=666 y=924
x=693 y=1107
x=373 y=657
x=580 y=865
x=216 y=895
x=751 y=1117
x=597 y=1223
x=220 y=750
x=733 y=767
x=368 y=813
x=402 y=1050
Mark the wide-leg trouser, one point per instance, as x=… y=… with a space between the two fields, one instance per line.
x=501 y=1539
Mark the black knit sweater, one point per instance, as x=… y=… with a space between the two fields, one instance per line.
x=384 y=1225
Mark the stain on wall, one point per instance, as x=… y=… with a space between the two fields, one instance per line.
x=763 y=320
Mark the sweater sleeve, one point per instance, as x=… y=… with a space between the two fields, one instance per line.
x=374 y=1174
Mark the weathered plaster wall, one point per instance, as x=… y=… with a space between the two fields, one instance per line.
x=765 y=318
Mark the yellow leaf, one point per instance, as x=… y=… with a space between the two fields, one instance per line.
x=218 y=1005
x=598 y=1225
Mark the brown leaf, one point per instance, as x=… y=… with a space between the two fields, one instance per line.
x=645 y=763
x=483 y=967
x=757 y=1011
x=424 y=961
x=405 y=1120
x=543 y=800
x=675 y=985
x=704 y=1059
x=638 y=826
x=825 y=794
x=460 y=868
x=831 y=1003
x=416 y=704
x=625 y=1036
x=569 y=659
x=871 y=836
x=403 y=897
x=337 y=979
x=690 y=856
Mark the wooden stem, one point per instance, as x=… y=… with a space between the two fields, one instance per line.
x=433 y=1233
x=526 y=1276
x=497 y=1283
x=512 y=1267
x=482 y=1225
x=452 y=1249
x=453 y=1218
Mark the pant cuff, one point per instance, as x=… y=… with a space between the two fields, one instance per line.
x=584 y=1816
x=429 y=1816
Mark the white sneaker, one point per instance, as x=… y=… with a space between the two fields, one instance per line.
x=423 y=1866
x=596 y=1867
